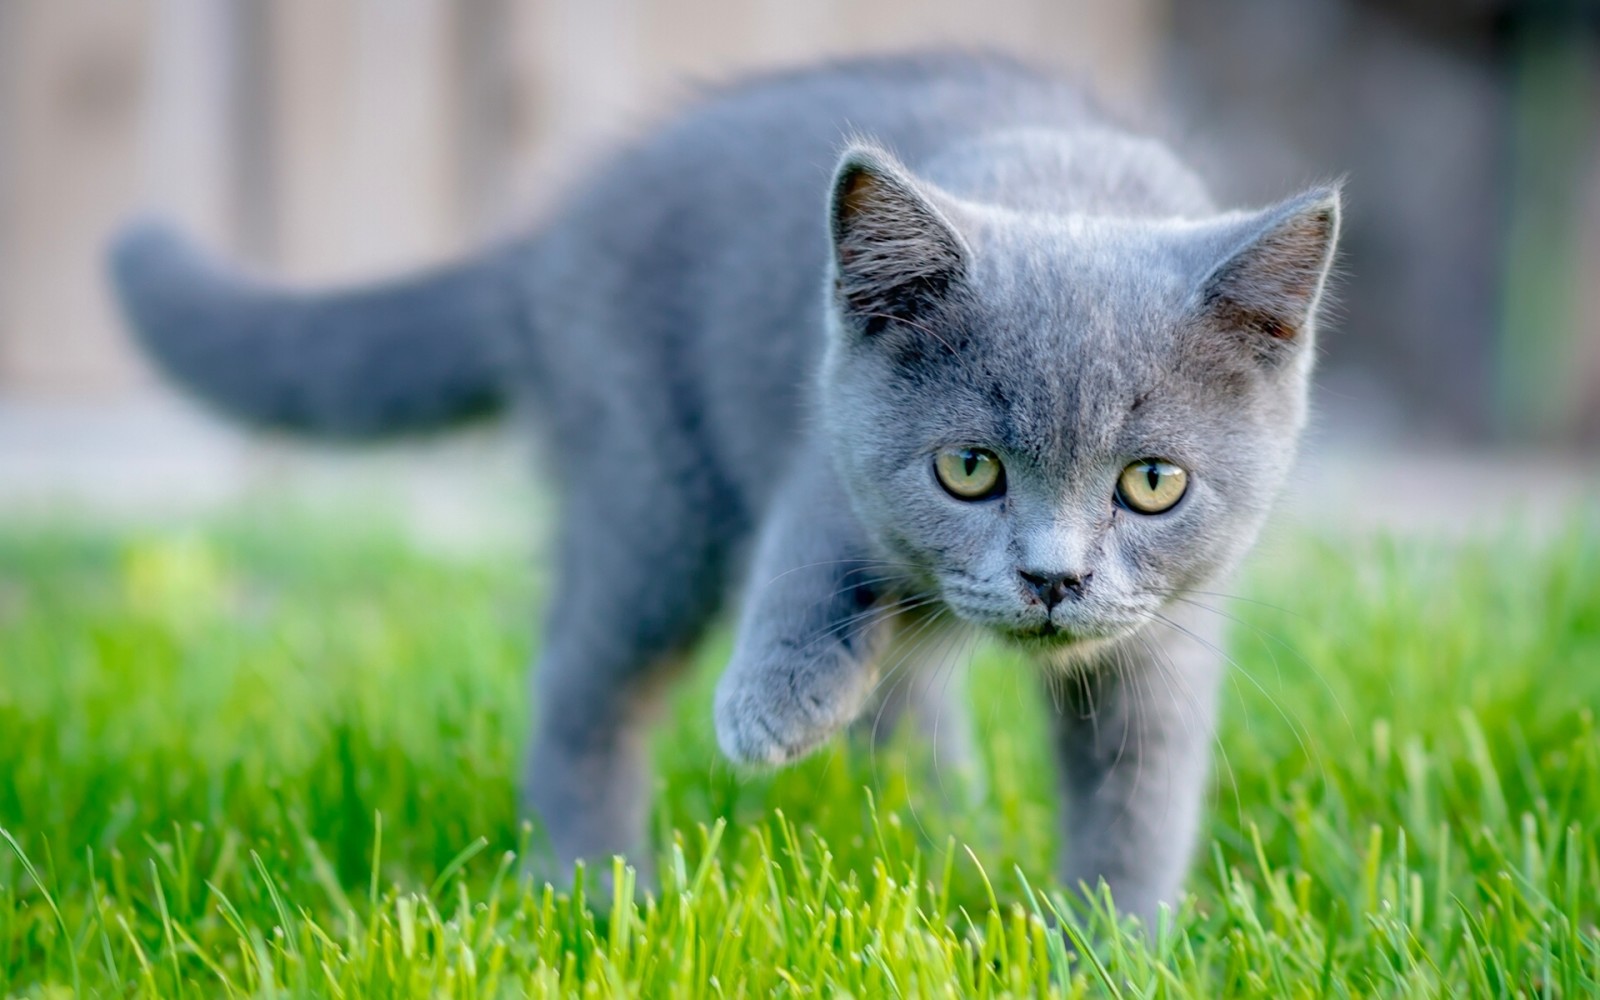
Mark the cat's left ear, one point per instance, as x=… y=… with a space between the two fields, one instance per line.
x=1269 y=283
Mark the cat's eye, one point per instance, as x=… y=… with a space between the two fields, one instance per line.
x=969 y=473
x=1151 y=485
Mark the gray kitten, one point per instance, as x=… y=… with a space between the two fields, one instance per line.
x=923 y=334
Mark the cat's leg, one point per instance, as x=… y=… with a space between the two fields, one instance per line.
x=639 y=576
x=817 y=609
x=1133 y=735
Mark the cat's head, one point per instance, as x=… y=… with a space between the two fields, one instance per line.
x=1062 y=421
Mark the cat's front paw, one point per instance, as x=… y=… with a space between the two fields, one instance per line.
x=776 y=711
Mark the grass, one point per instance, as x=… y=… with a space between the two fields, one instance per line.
x=277 y=757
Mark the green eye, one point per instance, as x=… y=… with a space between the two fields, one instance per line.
x=969 y=473
x=1151 y=485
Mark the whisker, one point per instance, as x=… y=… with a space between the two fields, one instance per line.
x=1123 y=675
x=956 y=663
x=879 y=612
x=1163 y=667
x=1294 y=725
x=1322 y=679
x=876 y=563
x=914 y=642
x=916 y=816
x=868 y=582
x=1223 y=595
x=1169 y=674
x=905 y=653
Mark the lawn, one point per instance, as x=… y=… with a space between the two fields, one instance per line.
x=276 y=755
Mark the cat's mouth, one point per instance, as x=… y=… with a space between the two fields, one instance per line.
x=1052 y=644
x=1049 y=636
x=1035 y=631
x=1045 y=633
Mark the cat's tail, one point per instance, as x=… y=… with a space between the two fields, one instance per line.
x=388 y=358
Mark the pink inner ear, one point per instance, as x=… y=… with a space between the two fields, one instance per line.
x=858 y=189
x=856 y=196
x=1273 y=328
x=1292 y=258
x=1236 y=316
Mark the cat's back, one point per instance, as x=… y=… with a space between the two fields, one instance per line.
x=756 y=134
x=759 y=152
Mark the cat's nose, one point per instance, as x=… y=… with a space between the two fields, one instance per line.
x=1053 y=588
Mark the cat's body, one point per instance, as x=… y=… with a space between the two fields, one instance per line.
x=747 y=358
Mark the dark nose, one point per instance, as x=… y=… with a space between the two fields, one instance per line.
x=1053 y=588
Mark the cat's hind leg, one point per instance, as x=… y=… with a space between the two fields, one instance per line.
x=641 y=572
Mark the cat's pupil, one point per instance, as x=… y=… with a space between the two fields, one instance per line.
x=1152 y=476
x=969 y=460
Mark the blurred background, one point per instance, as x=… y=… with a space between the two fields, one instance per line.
x=325 y=140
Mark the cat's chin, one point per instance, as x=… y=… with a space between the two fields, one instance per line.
x=1060 y=648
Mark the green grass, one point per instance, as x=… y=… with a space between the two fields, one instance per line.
x=277 y=756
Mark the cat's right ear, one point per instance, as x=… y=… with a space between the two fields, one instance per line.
x=1266 y=291
x=895 y=256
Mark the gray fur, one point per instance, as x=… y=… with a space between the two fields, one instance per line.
x=744 y=349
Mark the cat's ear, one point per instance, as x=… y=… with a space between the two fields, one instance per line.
x=895 y=256
x=1269 y=282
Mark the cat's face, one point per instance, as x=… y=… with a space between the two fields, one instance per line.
x=1062 y=423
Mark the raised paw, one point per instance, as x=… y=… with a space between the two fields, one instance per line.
x=776 y=711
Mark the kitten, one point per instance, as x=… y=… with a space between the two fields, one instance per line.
x=925 y=333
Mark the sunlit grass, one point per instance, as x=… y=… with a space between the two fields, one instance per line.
x=277 y=756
